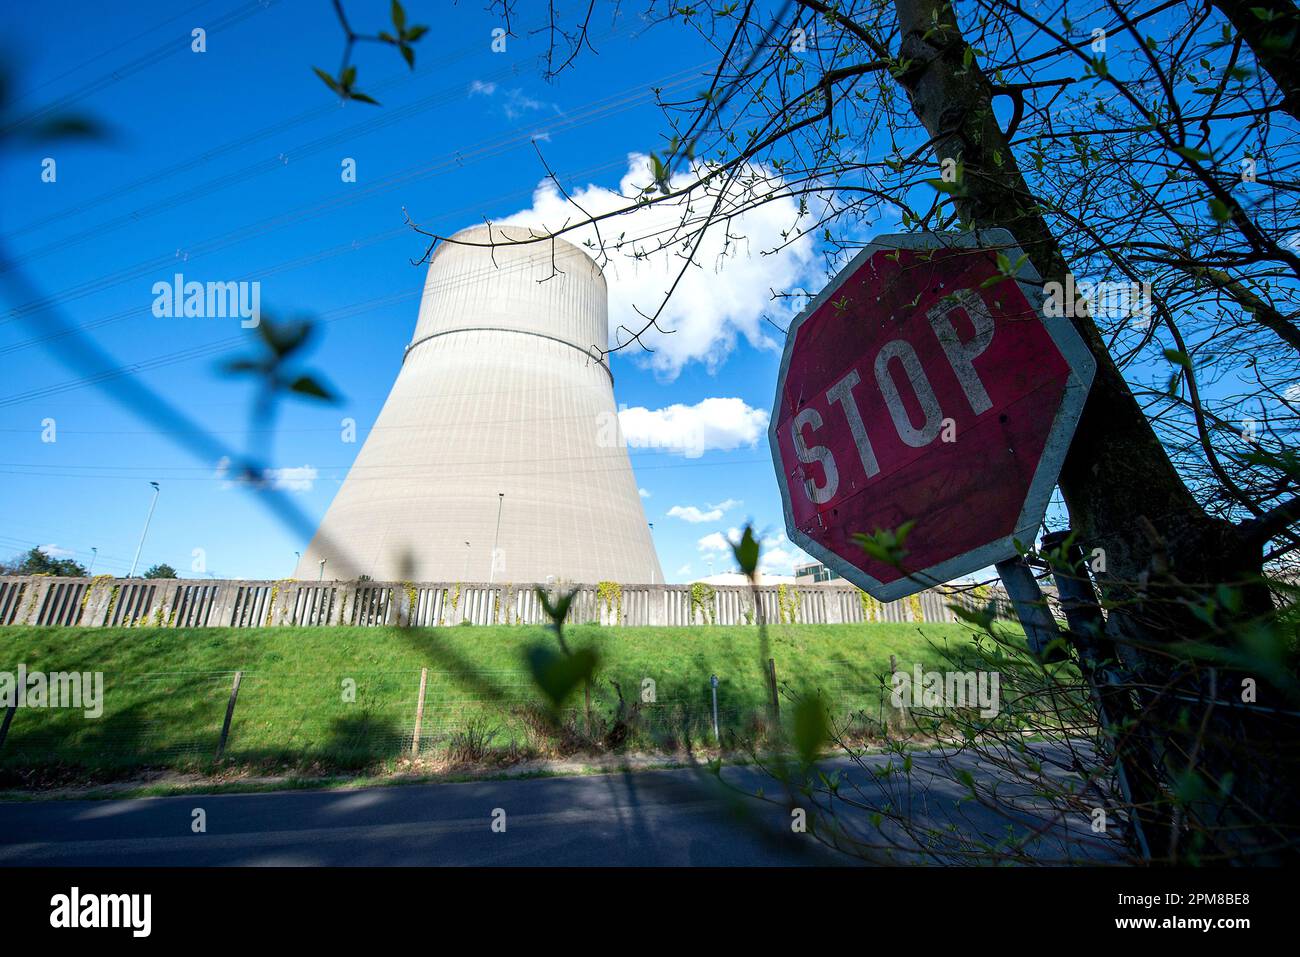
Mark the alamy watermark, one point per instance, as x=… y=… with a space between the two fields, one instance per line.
x=57 y=689
x=212 y=300
x=1100 y=300
x=947 y=689
x=76 y=909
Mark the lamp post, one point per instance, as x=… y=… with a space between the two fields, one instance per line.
x=94 y=554
x=713 y=682
x=465 y=573
x=321 y=572
x=652 y=538
x=501 y=501
x=297 y=557
x=135 y=561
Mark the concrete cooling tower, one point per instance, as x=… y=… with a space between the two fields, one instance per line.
x=501 y=427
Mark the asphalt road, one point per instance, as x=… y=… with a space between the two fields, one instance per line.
x=648 y=818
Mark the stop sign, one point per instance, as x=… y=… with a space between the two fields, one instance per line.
x=924 y=385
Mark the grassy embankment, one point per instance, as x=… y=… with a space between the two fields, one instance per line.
x=166 y=690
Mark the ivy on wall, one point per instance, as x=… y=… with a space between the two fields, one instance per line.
x=787 y=604
x=610 y=594
x=704 y=598
x=872 y=610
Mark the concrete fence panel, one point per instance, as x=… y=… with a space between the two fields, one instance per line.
x=204 y=603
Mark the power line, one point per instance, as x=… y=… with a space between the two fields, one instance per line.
x=235 y=17
x=241 y=176
x=207 y=349
x=263 y=134
x=310 y=259
x=596 y=110
x=459 y=470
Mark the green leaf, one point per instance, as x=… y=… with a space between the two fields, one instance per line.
x=980 y=619
x=1179 y=358
x=886 y=545
x=399 y=16
x=328 y=80
x=408 y=55
x=746 y=551
x=415 y=33
x=240 y=366
x=284 y=338
x=362 y=98
x=1188 y=153
x=952 y=189
x=811 y=726
x=557 y=674
x=1220 y=210
x=67 y=127
x=306 y=385
x=560 y=610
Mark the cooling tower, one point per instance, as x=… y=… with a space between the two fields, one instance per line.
x=501 y=428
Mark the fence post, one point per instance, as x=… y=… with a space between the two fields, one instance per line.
x=419 y=713
x=771 y=681
x=586 y=697
x=889 y=712
x=230 y=713
x=9 y=716
x=713 y=681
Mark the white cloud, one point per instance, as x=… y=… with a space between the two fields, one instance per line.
x=294 y=479
x=481 y=88
x=690 y=513
x=643 y=493
x=299 y=479
x=777 y=561
x=716 y=302
x=717 y=542
x=719 y=424
x=54 y=551
x=684 y=570
x=776 y=556
x=518 y=103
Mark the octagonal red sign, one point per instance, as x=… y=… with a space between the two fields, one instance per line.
x=925 y=385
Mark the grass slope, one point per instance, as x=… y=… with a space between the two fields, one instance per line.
x=166 y=689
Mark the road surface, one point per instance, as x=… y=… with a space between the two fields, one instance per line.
x=648 y=818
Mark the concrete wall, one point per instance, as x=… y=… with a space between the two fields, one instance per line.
x=117 y=602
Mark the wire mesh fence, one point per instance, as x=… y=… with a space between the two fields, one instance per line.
x=360 y=718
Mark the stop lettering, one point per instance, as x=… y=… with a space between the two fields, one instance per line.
x=923 y=385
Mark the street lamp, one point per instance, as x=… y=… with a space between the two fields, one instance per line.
x=321 y=573
x=297 y=557
x=94 y=554
x=501 y=501
x=135 y=561
x=465 y=574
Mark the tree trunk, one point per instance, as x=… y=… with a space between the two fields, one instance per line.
x=1270 y=28
x=1117 y=477
x=1162 y=551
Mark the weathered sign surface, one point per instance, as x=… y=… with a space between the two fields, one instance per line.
x=925 y=385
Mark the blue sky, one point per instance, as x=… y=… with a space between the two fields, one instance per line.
x=225 y=165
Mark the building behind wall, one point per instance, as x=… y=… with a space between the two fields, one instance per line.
x=503 y=417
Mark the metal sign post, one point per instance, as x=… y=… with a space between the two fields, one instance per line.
x=713 y=681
